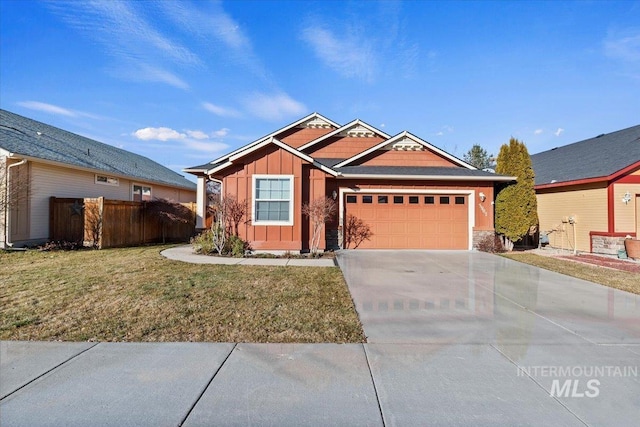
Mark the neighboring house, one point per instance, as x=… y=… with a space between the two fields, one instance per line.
x=589 y=192
x=411 y=193
x=38 y=161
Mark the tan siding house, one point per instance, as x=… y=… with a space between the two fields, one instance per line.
x=587 y=192
x=56 y=163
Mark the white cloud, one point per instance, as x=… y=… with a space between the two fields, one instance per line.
x=221 y=133
x=197 y=134
x=139 y=49
x=558 y=132
x=349 y=55
x=159 y=134
x=213 y=26
x=623 y=45
x=47 y=108
x=55 y=109
x=538 y=131
x=193 y=140
x=273 y=107
x=445 y=129
x=220 y=111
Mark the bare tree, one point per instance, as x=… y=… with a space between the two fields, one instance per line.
x=236 y=212
x=319 y=211
x=219 y=231
x=168 y=212
x=356 y=231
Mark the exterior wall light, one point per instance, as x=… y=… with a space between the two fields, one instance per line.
x=482 y=197
x=334 y=194
x=627 y=198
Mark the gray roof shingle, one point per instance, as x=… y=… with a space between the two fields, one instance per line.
x=596 y=157
x=416 y=170
x=21 y=135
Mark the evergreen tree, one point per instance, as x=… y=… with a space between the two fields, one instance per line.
x=478 y=157
x=516 y=205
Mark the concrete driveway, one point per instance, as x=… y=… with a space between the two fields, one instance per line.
x=472 y=338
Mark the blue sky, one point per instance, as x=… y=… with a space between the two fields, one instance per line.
x=185 y=82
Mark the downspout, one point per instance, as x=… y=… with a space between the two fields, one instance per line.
x=7 y=216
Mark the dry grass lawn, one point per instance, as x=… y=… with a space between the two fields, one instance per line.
x=623 y=280
x=135 y=294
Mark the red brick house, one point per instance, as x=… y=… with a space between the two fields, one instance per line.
x=412 y=194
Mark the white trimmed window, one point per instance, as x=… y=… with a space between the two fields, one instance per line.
x=272 y=200
x=140 y=192
x=107 y=180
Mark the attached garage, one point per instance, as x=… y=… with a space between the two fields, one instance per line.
x=413 y=220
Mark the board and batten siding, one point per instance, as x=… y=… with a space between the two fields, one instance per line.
x=308 y=184
x=588 y=203
x=51 y=180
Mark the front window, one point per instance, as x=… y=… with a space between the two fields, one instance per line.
x=141 y=193
x=273 y=200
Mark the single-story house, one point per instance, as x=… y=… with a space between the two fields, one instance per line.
x=411 y=193
x=589 y=192
x=38 y=161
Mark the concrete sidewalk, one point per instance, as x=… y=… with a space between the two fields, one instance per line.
x=185 y=254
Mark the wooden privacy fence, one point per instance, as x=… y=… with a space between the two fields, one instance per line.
x=104 y=223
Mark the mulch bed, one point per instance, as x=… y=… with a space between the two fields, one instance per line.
x=600 y=261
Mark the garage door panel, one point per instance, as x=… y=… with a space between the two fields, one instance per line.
x=413 y=225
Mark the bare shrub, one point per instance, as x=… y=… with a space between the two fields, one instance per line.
x=228 y=213
x=319 y=211
x=491 y=243
x=356 y=231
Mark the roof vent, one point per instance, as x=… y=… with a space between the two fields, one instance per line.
x=601 y=135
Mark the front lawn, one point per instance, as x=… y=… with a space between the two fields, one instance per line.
x=135 y=294
x=623 y=280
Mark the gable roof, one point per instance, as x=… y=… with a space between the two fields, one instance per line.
x=344 y=128
x=310 y=117
x=398 y=139
x=591 y=159
x=343 y=168
x=29 y=138
x=271 y=140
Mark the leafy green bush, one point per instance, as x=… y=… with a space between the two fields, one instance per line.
x=203 y=243
x=234 y=245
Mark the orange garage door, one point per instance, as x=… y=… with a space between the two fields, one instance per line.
x=409 y=221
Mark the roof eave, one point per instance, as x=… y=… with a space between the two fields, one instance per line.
x=280 y=144
x=272 y=134
x=499 y=178
x=102 y=171
x=614 y=176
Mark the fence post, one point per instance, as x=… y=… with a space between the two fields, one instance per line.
x=52 y=201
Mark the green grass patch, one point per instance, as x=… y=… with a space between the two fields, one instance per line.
x=135 y=294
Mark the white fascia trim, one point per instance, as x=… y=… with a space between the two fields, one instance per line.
x=430 y=177
x=219 y=168
x=340 y=129
x=280 y=144
x=256 y=223
x=274 y=133
x=470 y=193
